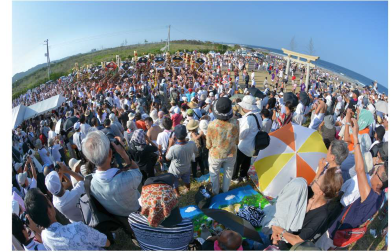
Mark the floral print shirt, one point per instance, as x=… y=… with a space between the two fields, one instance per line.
x=74 y=236
x=222 y=138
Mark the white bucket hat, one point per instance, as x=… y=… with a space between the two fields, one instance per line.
x=73 y=163
x=248 y=103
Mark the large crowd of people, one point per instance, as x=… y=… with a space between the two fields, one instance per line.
x=130 y=137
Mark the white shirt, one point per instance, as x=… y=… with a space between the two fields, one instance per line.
x=52 y=134
x=78 y=139
x=74 y=236
x=351 y=190
x=67 y=203
x=34 y=246
x=45 y=159
x=84 y=128
x=266 y=125
x=248 y=130
x=163 y=138
x=54 y=151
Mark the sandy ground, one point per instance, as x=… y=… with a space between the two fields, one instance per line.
x=261 y=74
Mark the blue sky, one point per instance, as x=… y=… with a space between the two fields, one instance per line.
x=350 y=34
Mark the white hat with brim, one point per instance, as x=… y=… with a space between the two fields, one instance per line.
x=73 y=163
x=248 y=103
x=131 y=116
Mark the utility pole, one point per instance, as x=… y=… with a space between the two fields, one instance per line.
x=47 y=56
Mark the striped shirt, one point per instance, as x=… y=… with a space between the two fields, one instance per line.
x=161 y=238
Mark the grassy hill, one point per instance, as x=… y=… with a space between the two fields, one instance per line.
x=64 y=67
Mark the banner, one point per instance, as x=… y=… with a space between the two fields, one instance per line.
x=177 y=62
x=200 y=65
x=142 y=62
x=160 y=63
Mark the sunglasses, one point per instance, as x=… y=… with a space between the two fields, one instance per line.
x=376 y=171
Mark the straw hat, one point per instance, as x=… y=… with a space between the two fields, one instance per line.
x=192 y=125
x=192 y=105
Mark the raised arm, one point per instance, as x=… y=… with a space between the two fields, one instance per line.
x=363 y=184
x=33 y=170
x=348 y=121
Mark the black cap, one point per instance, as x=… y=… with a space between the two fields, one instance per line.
x=356 y=92
x=180 y=132
x=222 y=109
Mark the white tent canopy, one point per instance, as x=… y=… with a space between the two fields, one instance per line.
x=22 y=113
x=18 y=115
x=44 y=106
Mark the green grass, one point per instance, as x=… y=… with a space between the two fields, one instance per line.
x=125 y=52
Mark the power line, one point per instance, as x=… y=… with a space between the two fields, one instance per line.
x=106 y=35
x=185 y=33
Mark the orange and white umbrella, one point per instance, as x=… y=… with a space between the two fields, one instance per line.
x=294 y=151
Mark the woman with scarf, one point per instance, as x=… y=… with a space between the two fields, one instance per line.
x=365 y=119
x=159 y=225
x=142 y=151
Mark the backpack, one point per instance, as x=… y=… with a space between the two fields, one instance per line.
x=94 y=214
x=262 y=139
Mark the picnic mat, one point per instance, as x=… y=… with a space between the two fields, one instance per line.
x=230 y=201
x=205 y=178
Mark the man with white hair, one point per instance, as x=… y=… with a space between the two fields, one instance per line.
x=116 y=190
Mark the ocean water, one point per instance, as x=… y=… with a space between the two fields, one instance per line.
x=337 y=69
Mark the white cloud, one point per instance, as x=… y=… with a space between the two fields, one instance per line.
x=190 y=209
x=229 y=197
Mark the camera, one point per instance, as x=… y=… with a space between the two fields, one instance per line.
x=29 y=153
x=57 y=167
x=24 y=219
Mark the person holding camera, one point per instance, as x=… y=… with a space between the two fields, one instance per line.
x=23 y=234
x=65 y=201
x=23 y=179
x=56 y=236
x=115 y=189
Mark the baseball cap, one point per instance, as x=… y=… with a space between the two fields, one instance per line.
x=76 y=126
x=22 y=178
x=53 y=183
x=17 y=166
x=180 y=131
